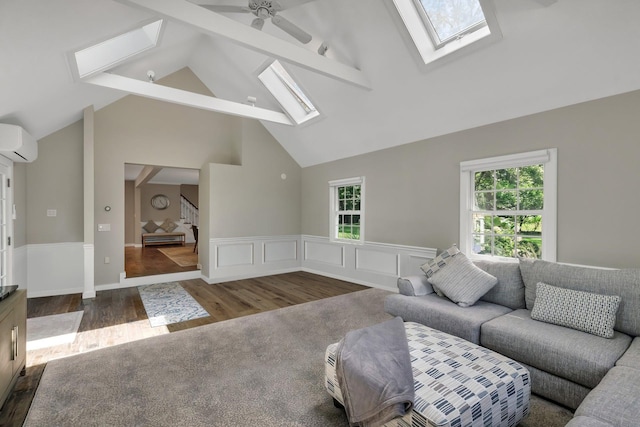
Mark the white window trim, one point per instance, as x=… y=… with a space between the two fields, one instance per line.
x=333 y=185
x=429 y=53
x=548 y=157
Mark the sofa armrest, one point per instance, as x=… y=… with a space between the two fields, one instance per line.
x=414 y=286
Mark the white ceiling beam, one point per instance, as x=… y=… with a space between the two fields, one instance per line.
x=183 y=97
x=146 y=174
x=215 y=24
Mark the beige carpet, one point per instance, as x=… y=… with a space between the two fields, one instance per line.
x=261 y=370
x=181 y=255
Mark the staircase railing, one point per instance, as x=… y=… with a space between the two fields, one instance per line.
x=188 y=211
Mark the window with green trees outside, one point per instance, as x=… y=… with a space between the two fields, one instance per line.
x=508 y=211
x=349 y=198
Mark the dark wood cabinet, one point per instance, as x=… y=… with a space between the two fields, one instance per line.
x=13 y=341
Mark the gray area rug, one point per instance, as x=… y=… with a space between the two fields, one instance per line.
x=265 y=370
x=167 y=303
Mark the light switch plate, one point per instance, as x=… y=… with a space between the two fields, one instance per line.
x=104 y=227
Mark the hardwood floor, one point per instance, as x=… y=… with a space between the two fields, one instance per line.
x=118 y=316
x=149 y=261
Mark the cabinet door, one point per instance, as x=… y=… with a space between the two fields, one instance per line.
x=6 y=364
x=20 y=320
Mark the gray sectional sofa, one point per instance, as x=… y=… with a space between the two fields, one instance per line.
x=598 y=377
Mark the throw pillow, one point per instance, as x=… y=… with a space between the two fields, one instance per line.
x=168 y=225
x=461 y=281
x=430 y=267
x=150 y=227
x=583 y=311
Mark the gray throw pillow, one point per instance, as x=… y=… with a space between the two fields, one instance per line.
x=430 y=267
x=150 y=227
x=461 y=281
x=168 y=225
x=583 y=311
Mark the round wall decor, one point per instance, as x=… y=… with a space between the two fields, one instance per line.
x=160 y=202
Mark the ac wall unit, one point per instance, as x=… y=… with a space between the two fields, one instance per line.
x=16 y=144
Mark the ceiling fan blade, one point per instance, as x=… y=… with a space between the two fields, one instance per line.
x=257 y=23
x=226 y=9
x=291 y=28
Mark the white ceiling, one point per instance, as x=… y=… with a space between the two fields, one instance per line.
x=550 y=56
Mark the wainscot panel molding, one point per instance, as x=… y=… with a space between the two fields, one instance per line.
x=89 y=271
x=370 y=264
x=246 y=257
x=55 y=269
x=20 y=272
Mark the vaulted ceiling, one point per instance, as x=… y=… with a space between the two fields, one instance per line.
x=551 y=54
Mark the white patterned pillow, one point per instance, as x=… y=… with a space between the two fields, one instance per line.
x=430 y=267
x=461 y=281
x=583 y=311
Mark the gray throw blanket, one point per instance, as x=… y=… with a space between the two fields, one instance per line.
x=373 y=367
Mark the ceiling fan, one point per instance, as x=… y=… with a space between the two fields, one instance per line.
x=265 y=9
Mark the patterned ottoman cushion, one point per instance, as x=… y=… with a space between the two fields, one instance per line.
x=457 y=383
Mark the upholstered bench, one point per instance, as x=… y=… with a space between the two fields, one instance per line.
x=457 y=383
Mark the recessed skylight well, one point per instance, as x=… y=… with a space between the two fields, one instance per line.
x=109 y=53
x=441 y=27
x=293 y=100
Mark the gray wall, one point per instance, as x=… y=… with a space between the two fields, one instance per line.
x=412 y=191
x=253 y=199
x=143 y=131
x=147 y=212
x=55 y=181
x=129 y=212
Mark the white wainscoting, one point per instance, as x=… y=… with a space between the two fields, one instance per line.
x=245 y=257
x=55 y=269
x=370 y=264
x=20 y=272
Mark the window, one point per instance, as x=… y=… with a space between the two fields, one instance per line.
x=287 y=92
x=441 y=27
x=113 y=51
x=508 y=206
x=347 y=209
x=447 y=20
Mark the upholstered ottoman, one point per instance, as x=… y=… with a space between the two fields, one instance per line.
x=457 y=383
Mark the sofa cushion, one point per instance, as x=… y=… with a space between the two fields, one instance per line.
x=582 y=421
x=583 y=311
x=556 y=389
x=461 y=281
x=150 y=227
x=624 y=283
x=616 y=400
x=631 y=357
x=440 y=313
x=509 y=290
x=577 y=356
x=414 y=285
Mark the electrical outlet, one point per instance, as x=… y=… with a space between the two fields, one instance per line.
x=107 y=260
x=52 y=212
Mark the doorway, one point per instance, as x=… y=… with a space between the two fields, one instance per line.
x=161 y=220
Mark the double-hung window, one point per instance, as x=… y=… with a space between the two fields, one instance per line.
x=508 y=206
x=347 y=209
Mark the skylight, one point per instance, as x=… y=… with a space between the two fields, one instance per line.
x=286 y=91
x=439 y=28
x=449 y=20
x=113 y=51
